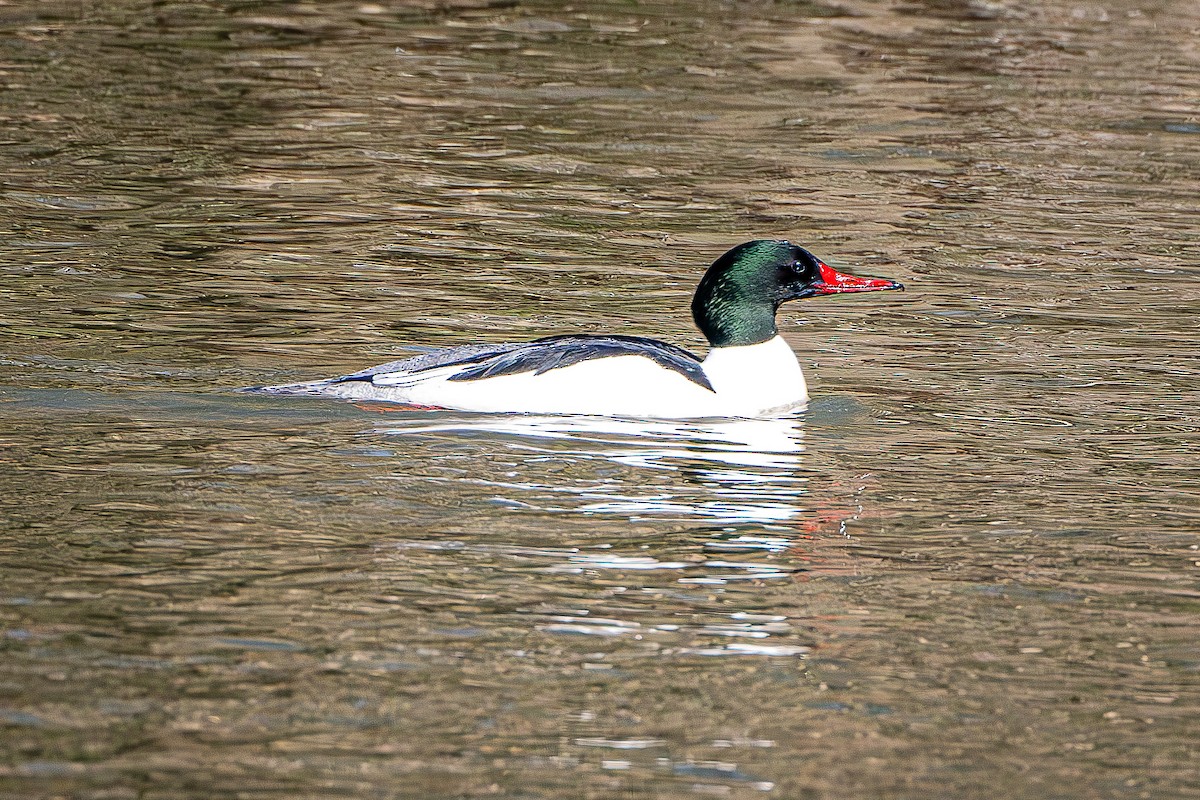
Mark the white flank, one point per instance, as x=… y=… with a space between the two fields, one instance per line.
x=758 y=380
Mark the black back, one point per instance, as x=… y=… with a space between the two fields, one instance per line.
x=543 y=355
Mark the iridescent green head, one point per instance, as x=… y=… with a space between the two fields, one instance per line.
x=737 y=298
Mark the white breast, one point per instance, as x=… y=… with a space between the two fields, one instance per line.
x=758 y=379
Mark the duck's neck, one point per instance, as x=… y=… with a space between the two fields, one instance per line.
x=730 y=319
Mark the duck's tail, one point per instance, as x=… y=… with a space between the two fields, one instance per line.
x=306 y=388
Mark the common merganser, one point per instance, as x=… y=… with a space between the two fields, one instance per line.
x=749 y=372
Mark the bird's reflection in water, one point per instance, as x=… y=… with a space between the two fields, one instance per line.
x=730 y=470
x=733 y=494
x=728 y=506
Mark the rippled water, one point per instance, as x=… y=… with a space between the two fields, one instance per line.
x=970 y=570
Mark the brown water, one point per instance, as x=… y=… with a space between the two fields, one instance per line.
x=970 y=570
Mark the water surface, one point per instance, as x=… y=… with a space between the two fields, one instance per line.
x=969 y=570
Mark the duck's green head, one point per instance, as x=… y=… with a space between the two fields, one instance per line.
x=737 y=298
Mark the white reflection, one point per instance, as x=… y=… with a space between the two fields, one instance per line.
x=729 y=470
x=716 y=572
x=737 y=442
x=744 y=480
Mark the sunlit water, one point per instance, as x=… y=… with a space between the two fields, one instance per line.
x=971 y=569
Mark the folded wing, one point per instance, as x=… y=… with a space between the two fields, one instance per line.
x=478 y=362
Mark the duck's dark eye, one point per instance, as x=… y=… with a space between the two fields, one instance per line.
x=799 y=267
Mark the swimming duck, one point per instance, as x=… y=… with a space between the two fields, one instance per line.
x=749 y=372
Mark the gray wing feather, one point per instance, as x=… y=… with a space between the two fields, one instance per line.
x=556 y=352
x=492 y=360
x=467 y=354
